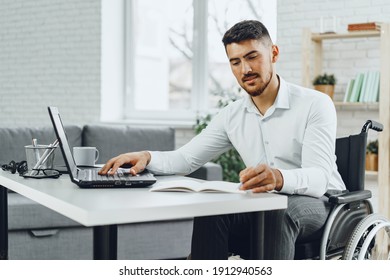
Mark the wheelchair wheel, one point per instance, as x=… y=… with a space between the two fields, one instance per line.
x=363 y=239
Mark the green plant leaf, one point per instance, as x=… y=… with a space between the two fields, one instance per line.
x=372 y=147
x=324 y=79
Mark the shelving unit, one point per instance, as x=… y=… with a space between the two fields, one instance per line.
x=371 y=173
x=313 y=41
x=357 y=105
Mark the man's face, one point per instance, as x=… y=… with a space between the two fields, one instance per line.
x=252 y=64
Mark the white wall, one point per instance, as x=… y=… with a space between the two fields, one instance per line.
x=62 y=53
x=49 y=55
x=344 y=58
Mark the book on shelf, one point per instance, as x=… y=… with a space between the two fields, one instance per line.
x=196 y=186
x=364 y=88
x=368 y=91
x=357 y=87
x=348 y=90
x=375 y=87
x=371 y=91
x=364 y=26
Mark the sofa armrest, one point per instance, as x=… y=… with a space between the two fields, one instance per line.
x=210 y=171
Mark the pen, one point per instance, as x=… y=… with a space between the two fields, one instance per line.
x=36 y=151
x=45 y=156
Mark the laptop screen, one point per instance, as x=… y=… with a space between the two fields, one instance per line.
x=63 y=139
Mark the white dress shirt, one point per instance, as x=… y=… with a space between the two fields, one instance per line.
x=296 y=135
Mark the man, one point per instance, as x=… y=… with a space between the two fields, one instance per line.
x=284 y=133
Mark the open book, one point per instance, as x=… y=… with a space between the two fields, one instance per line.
x=196 y=186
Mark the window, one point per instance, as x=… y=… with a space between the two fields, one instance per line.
x=176 y=66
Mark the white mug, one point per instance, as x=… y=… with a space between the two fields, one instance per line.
x=85 y=156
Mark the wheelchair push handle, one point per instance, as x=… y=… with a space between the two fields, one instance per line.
x=370 y=124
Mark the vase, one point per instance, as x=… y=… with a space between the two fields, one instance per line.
x=327 y=89
x=371 y=162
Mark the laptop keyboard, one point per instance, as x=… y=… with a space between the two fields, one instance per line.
x=92 y=175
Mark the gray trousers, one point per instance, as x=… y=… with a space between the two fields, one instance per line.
x=215 y=237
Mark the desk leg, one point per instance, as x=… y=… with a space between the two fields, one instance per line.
x=105 y=242
x=257 y=236
x=3 y=223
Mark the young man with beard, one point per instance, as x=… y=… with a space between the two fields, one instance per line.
x=285 y=135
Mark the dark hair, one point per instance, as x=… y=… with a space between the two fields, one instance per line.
x=246 y=30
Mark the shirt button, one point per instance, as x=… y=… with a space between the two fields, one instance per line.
x=271 y=163
x=266 y=142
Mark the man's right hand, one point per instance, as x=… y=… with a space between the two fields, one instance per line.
x=138 y=160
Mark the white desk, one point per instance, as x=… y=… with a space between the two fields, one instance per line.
x=104 y=209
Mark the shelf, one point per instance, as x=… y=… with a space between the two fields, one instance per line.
x=355 y=34
x=371 y=175
x=374 y=106
x=312 y=65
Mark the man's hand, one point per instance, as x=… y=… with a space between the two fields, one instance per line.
x=261 y=178
x=138 y=160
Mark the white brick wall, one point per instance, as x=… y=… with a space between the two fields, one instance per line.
x=49 y=55
x=344 y=58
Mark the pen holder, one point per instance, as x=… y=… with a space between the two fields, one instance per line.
x=39 y=157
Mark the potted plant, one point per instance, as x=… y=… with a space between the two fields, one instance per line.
x=325 y=83
x=372 y=156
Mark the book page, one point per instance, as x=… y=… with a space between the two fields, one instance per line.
x=197 y=186
x=221 y=186
x=176 y=186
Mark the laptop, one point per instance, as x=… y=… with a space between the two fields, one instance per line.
x=89 y=177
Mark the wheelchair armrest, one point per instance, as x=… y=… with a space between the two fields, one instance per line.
x=348 y=197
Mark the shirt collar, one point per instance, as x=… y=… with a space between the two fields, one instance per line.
x=282 y=100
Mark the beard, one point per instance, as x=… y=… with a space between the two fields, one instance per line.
x=260 y=89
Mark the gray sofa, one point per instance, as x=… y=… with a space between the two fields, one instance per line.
x=36 y=232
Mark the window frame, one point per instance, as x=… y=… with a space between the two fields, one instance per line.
x=199 y=91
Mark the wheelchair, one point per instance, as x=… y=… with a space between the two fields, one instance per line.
x=352 y=226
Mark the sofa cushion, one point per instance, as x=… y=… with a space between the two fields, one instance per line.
x=112 y=140
x=13 y=141
x=24 y=213
x=155 y=240
x=53 y=244
x=38 y=232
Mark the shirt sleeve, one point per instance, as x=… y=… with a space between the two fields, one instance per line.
x=318 y=152
x=207 y=145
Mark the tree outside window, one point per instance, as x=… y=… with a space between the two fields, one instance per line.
x=178 y=66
